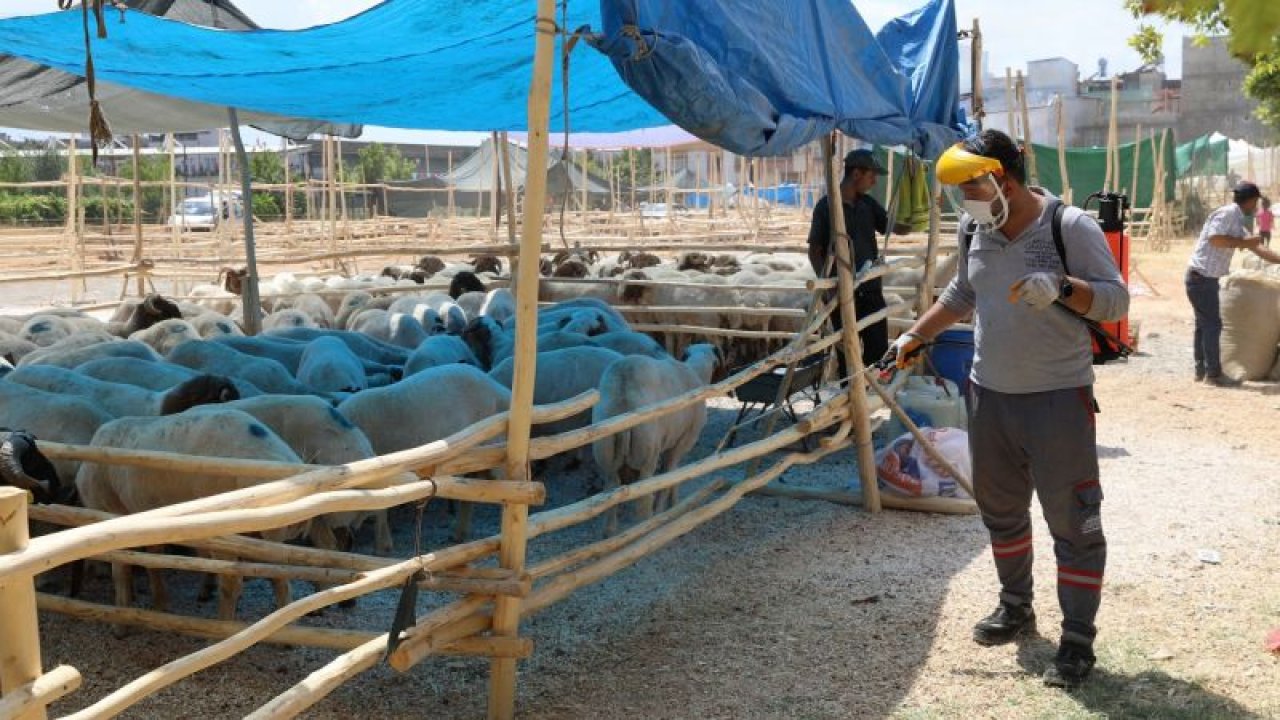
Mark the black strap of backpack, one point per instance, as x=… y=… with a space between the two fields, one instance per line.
x=1059 y=209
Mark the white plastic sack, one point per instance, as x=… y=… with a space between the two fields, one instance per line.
x=904 y=468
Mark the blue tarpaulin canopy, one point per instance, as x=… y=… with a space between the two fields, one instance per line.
x=756 y=77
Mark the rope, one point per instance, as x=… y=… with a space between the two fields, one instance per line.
x=99 y=130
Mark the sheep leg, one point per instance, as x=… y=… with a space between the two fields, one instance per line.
x=383 y=542
x=462 y=525
x=122 y=579
x=229 y=589
x=642 y=508
x=283 y=592
x=611 y=482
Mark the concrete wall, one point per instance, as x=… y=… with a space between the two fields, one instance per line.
x=1213 y=96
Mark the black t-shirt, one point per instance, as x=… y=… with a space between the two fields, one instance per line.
x=863 y=218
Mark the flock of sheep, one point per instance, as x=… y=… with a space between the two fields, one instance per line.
x=327 y=382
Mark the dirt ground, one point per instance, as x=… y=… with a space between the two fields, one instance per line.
x=790 y=609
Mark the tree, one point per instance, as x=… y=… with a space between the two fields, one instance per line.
x=379 y=163
x=1253 y=30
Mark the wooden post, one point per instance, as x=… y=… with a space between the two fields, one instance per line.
x=852 y=345
x=73 y=215
x=1010 y=101
x=1113 y=172
x=515 y=517
x=137 y=213
x=342 y=191
x=175 y=230
x=978 y=102
x=1063 y=173
x=288 y=187
x=1026 y=130
x=331 y=204
x=1137 y=156
x=494 y=185
x=449 y=183
x=633 y=156
x=20 y=651
x=509 y=188
x=924 y=299
x=252 y=316
x=671 y=206
x=582 y=165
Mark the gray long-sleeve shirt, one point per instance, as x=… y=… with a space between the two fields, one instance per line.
x=1020 y=349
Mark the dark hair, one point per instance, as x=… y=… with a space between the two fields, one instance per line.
x=999 y=146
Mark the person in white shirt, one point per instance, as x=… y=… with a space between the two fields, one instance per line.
x=1223 y=233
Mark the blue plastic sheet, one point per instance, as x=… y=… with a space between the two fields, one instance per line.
x=752 y=76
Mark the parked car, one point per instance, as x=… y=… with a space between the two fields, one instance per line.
x=204 y=212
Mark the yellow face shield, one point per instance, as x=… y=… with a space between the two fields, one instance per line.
x=957 y=166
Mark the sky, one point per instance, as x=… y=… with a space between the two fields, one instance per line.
x=1080 y=30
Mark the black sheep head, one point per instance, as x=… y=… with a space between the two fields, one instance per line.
x=22 y=465
x=478 y=335
x=488 y=263
x=419 y=275
x=430 y=264
x=572 y=268
x=392 y=272
x=465 y=282
x=545 y=267
x=153 y=309
x=199 y=390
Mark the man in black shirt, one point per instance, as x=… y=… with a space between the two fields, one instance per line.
x=863 y=218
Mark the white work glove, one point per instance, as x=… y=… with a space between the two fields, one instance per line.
x=1038 y=290
x=905 y=350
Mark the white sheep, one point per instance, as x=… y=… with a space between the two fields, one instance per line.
x=320 y=435
x=15 y=348
x=636 y=382
x=45 y=329
x=51 y=416
x=216 y=433
x=72 y=351
x=366 y=347
x=629 y=342
x=439 y=350
x=154 y=376
x=427 y=406
x=287 y=318
x=167 y=334
x=500 y=305
x=213 y=324
x=394 y=328
x=328 y=365
x=561 y=375
x=218 y=359
x=122 y=400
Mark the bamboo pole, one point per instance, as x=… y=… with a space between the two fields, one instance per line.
x=852 y=345
x=175 y=229
x=156 y=621
x=586 y=553
x=450 y=185
x=924 y=297
x=949 y=506
x=1113 y=172
x=582 y=168
x=331 y=207
x=40 y=693
x=19 y=626
x=1026 y=129
x=288 y=186
x=976 y=71
x=1010 y=101
x=137 y=213
x=563 y=585
x=252 y=306
x=515 y=518
x=1063 y=172
x=509 y=184
x=495 y=184
x=1137 y=157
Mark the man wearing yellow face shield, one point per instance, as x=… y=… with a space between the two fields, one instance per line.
x=1030 y=392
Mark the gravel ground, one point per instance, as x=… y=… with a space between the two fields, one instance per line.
x=784 y=609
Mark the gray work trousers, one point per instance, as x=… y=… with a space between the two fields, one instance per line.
x=1045 y=442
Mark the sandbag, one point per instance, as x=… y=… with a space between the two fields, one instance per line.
x=905 y=469
x=1250 y=324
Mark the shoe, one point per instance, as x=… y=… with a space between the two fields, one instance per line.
x=1004 y=625
x=1199 y=375
x=1223 y=381
x=1070 y=667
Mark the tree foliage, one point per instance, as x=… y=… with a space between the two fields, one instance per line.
x=1253 y=30
x=379 y=163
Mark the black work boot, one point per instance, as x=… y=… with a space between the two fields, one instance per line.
x=1004 y=625
x=1070 y=667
